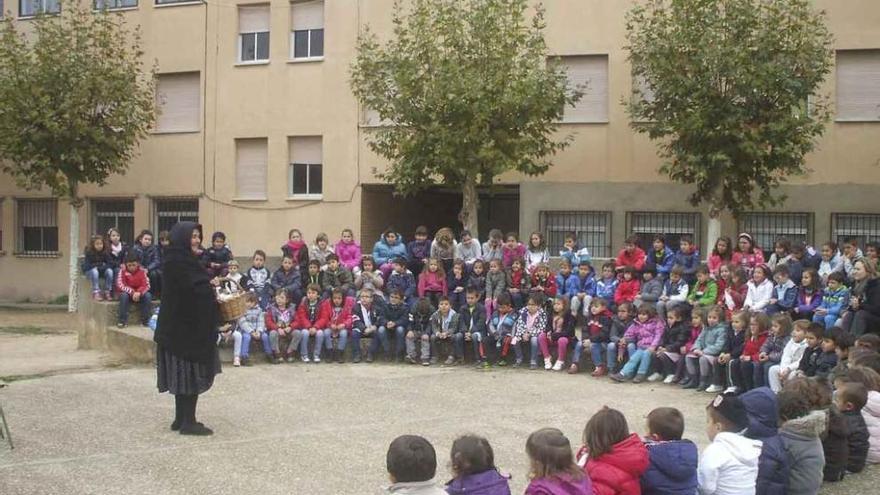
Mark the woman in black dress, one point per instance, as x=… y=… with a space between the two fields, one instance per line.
x=186 y=334
x=865 y=303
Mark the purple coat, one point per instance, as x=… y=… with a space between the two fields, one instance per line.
x=646 y=334
x=560 y=485
x=489 y=482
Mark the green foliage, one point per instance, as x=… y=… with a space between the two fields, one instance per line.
x=467 y=84
x=74 y=98
x=728 y=83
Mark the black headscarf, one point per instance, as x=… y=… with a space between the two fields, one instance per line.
x=188 y=318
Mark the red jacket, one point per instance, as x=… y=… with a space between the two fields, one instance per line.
x=636 y=259
x=344 y=316
x=695 y=333
x=549 y=285
x=618 y=472
x=753 y=346
x=130 y=283
x=431 y=281
x=627 y=291
x=301 y=321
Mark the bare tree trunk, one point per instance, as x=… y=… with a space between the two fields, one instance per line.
x=470 y=203
x=713 y=231
x=73 y=251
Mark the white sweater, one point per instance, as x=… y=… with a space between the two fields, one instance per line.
x=758 y=296
x=792 y=354
x=871 y=413
x=729 y=465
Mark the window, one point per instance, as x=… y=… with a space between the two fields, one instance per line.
x=171 y=211
x=250 y=168
x=114 y=213
x=765 y=228
x=115 y=4
x=646 y=224
x=37 y=226
x=858 y=85
x=172 y=2
x=306 y=175
x=253 y=33
x=863 y=226
x=591 y=70
x=591 y=229
x=30 y=8
x=178 y=97
x=307 y=30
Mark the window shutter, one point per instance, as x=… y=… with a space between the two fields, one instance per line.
x=38 y=213
x=250 y=171
x=591 y=70
x=253 y=19
x=307 y=15
x=858 y=85
x=178 y=98
x=306 y=150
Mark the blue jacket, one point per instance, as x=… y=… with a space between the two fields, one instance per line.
x=661 y=261
x=384 y=253
x=567 y=287
x=575 y=256
x=291 y=281
x=672 y=469
x=586 y=285
x=404 y=282
x=606 y=288
x=835 y=301
x=786 y=298
x=773 y=467
x=148 y=256
x=689 y=262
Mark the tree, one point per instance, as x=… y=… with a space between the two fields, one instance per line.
x=469 y=90
x=730 y=93
x=75 y=101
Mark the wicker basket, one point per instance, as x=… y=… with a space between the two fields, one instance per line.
x=233 y=308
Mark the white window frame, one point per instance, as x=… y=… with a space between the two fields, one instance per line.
x=307 y=195
x=41 y=10
x=116 y=5
x=255 y=61
x=308 y=58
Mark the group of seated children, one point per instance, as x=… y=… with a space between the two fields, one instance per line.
x=761 y=444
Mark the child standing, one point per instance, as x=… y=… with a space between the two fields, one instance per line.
x=217 y=257
x=651 y=290
x=675 y=292
x=432 y=282
x=628 y=288
x=348 y=250
x=801 y=428
x=561 y=334
x=289 y=278
x=321 y=249
x=660 y=258
x=586 y=289
x=395 y=314
x=760 y=290
x=311 y=321
x=419 y=331
x=706 y=350
x=473 y=466
x=96 y=266
x=133 y=285
x=418 y=251
x=771 y=351
x=606 y=286
x=742 y=370
x=850 y=398
x=496 y=285
x=472 y=320
x=834 y=300
x=338 y=307
x=532 y=321
x=615 y=459
x=369 y=277
x=251 y=325
x=279 y=319
x=597 y=337
x=736 y=342
x=791 y=356
x=729 y=465
x=773 y=465
x=468 y=250
x=501 y=328
x=445 y=330
x=553 y=470
x=257 y=279
x=412 y=463
x=785 y=292
x=512 y=250
x=641 y=339
x=456 y=284
x=537 y=253
x=705 y=291
x=672 y=462
x=366 y=320
x=517 y=282
x=809 y=295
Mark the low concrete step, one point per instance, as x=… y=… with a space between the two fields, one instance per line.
x=133 y=344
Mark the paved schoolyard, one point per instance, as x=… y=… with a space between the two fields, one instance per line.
x=298 y=429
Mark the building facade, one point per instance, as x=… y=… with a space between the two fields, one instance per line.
x=260 y=133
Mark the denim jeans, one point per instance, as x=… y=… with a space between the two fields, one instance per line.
x=828 y=320
x=596 y=354
x=380 y=336
x=242 y=346
x=399 y=342
x=94 y=277
x=266 y=339
x=304 y=342
x=581 y=306
x=125 y=299
x=639 y=362
x=533 y=344
x=342 y=339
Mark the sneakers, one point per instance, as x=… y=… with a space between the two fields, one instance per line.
x=97 y=296
x=277 y=359
x=485 y=365
x=639 y=378
x=618 y=377
x=731 y=390
x=410 y=360
x=501 y=362
x=548 y=364
x=669 y=379
x=316 y=360
x=533 y=366
x=655 y=377
x=356 y=360
x=449 y=361
x=573 y=369
x=246 y=362
x=305 y=359
x=517 y=363
x=559 y=364
x=369 y=358
x=236 y=361
x=714 y=389
x=289 y=358
x=426 y=362
x=599 y=371
x=108 y=296
x=120 y=325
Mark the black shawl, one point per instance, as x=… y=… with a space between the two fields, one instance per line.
x=188 y=318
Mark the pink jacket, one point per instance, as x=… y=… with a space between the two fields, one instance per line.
x=508 y=255
x=349 y=254
x=431 y=281
x=646 y=334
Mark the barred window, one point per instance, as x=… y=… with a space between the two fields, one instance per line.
x=37 y=227
x=766 y=228
x=592 y=229
x=864 y=227
x=114 y=213
x=171 y=211
x=646 y=224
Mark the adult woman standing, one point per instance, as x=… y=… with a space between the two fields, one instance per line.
x=866 y=303
x=186 y=334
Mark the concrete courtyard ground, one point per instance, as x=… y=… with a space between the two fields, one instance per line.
x=289 y=429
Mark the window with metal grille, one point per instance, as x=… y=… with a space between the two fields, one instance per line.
x=116 y=214
x=766 y=228
x=646 y=224
x=37 y=227
x=592 y=230
x=171 y=211
x=864 y=227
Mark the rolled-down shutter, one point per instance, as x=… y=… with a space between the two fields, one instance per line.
x=858 y=85
x=591 y=70
x=178 y=99
x=307 y=15
x=251 y=164
x=253 y=19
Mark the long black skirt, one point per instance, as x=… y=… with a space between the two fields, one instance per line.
x=181 y=377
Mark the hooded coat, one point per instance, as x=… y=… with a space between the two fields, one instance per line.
x=187 y=325
x=672 y=469
x=618 y=471
x=489 y=482
x=800 y=438
x=560 y=485
x=385 y=253
x=773 y=465
x=729 y=465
